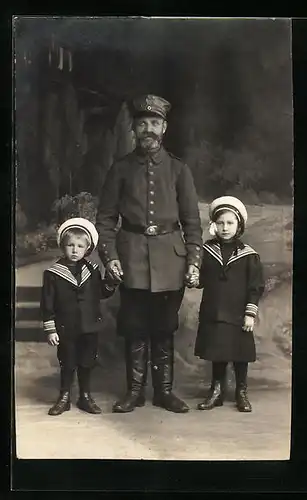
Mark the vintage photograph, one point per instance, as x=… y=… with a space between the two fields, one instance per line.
x=153 y=238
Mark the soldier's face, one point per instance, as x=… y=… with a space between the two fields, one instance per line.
x=149 y=131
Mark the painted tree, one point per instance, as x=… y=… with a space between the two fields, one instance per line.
x=124 y=136
x=52 y=133
x=75 y=141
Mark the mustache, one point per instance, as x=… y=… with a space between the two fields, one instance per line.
x=150 y=135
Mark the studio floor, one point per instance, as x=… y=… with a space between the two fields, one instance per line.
x=148 y=432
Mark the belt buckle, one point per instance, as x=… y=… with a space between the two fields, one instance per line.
x=151 y=230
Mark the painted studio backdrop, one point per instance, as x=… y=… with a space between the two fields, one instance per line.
x=229 y=83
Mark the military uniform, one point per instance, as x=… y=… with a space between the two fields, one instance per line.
x=160 y=235
x=148 y=191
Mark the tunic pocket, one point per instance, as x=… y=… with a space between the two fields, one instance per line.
x=180 y=249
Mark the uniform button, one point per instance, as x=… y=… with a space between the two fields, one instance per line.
x=198 y=248
x=151 y=212
x=152 y=193
x=151 y=172
x=151 y=222
x=103 y=244
x=151 y=202
x=151 y=183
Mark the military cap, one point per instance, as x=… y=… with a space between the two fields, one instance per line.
x=150 y=104
x=79 y=223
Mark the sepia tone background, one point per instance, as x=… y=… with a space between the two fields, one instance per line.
x=229 y=82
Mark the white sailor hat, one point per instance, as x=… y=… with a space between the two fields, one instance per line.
x=228 y=203
x=79 y=223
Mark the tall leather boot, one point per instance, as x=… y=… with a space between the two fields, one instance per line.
x=242 y=401
x=142 y=396
x=86 y=401
x=136 y=371
x=217 y=389
x=63 y=402
x=162 y=353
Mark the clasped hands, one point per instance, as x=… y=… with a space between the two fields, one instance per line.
x=115 y=272
x=192 y=276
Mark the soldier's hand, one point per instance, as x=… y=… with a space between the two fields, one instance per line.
x=192 y=276
x=114 y=269
x=53 y=339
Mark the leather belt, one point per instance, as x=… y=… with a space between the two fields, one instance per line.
x=151 y=230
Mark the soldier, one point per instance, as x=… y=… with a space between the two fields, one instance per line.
x=156 y=252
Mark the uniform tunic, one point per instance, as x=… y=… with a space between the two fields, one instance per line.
x=232 y=289
x=149 y=190
x=70 y=307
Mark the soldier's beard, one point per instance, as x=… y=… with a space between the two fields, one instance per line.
x=149 y=142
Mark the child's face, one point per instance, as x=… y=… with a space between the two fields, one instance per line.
x=226 y=226
x=75 y=248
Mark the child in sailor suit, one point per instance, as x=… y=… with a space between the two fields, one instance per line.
x=232 y=281
x=70 y=306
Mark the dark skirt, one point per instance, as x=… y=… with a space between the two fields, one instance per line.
x=224 y=342
x=146 y=313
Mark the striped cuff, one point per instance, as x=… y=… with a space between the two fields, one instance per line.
x=49 y=327
x=251 y=310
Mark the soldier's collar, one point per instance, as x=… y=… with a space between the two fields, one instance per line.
x=156 y=157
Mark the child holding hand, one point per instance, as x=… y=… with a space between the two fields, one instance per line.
x=232 y=282
x=70 y=305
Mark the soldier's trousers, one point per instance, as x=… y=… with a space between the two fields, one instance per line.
x=149 y=320
x=144 y=313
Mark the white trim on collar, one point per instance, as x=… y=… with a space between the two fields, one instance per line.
x=65 y=273
x=214 y=249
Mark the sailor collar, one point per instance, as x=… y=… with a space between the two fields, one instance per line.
x=213 y=247
x=64 y=272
